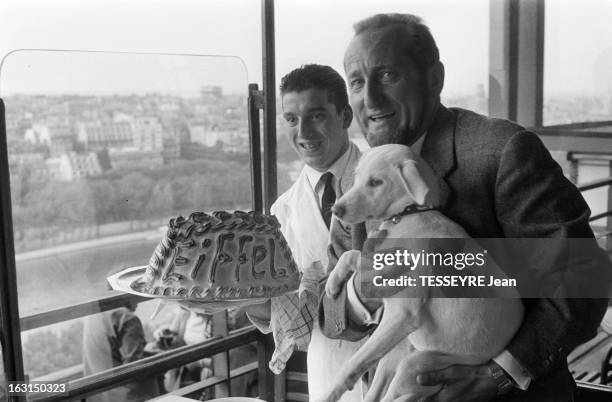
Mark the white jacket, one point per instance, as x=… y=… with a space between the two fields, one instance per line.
x=302 y=225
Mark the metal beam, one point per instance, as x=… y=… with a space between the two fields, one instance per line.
x=516 y=60
x=269 y=89
x=502 y=59
x=530 y=67
x=10 y=332
x=256 y=102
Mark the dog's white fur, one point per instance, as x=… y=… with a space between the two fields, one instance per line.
x=443 y=331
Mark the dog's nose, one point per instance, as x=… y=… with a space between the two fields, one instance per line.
x=338 y=210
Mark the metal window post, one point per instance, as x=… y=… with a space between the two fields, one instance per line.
x=10 y=330
x=269 y=89
x=516 y=61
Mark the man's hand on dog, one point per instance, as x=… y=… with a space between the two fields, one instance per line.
x=461 y=384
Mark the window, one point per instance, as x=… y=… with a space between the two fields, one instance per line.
x=88 y=202
x=105 y=128
x=577 y=61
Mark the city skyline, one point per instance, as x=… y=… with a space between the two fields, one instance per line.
x=306 y=32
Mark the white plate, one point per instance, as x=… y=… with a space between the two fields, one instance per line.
x=123 y=280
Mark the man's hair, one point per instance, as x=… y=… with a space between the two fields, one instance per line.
x=317 y=76
x=421 y=46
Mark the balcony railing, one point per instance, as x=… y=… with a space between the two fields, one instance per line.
x=162 y=362
x=575 y=159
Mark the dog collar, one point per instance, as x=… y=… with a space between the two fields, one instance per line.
x=410 y=209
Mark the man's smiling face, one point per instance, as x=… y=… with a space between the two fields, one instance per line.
x=387 y=91
x=315 y=128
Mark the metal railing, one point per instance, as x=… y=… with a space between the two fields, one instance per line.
x=575 y=159
x=155 y=365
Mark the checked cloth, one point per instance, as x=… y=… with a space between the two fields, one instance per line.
x=292 y=318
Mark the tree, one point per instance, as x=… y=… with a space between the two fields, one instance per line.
x=60 y=203
x=134 y=192
x=104 y=198
x=161 y=203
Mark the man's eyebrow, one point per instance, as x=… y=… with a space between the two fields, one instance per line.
x=385 y=66
x=317 y=109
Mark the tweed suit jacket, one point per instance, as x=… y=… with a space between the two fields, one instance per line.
x=498 y=180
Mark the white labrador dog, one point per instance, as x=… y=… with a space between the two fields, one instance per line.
x=425 y=333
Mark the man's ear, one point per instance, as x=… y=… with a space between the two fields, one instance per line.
x=347 y=116
x=413 y=181
x=436 y=78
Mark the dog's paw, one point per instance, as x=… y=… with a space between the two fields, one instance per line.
x=346 y=265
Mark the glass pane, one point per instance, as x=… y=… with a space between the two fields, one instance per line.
x=103 y=149
x=466 y=61
x=219 y=27
x=577 y=61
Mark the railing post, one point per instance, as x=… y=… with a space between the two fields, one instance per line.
x=220 y=361
x=280 y=387
x=573 y=168
x=256 y=102
x=266 y=378
x=269 y=90
x=609 y=219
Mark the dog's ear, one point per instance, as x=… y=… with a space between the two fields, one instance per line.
x=413 y=181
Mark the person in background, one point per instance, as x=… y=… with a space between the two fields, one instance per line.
x=187 y=328
x=110 y=339
x=190 y=327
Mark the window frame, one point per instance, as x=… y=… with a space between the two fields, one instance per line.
x=520 y=99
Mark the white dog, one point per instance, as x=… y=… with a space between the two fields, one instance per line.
x=444 y=331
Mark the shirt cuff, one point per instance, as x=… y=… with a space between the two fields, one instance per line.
x=514 y=369
x=357 y=312
x=260 y=324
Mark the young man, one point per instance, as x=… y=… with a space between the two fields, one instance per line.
x=317 y=115
x=497 y=180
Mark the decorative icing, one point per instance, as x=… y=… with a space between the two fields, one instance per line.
x=221 y=256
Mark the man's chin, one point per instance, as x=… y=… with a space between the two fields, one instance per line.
x=315 y=162
x=380 y=137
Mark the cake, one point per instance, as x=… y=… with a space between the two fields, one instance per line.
x=221 y=256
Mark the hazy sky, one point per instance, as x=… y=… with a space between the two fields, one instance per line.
x=306 y=31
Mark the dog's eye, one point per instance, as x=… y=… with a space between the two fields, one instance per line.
x=375 y=182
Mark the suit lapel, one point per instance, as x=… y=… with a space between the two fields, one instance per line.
x=439 y=149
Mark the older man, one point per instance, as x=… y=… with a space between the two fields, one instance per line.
x=497 y=180
x=317 y=116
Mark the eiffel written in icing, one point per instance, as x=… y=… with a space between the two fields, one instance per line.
x=237 y=253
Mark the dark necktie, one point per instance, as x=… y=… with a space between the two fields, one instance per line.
x=329 y=197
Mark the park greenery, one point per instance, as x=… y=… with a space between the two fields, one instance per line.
x=207 y=179
x=48 y=351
